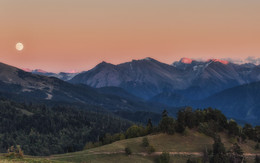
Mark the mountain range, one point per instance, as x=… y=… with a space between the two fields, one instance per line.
x=148 y=77
x=62 y=75
x=145 y=84
x=22 y=86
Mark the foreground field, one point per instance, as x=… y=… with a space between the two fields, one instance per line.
x=180 y=146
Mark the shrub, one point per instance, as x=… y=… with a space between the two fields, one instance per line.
x=135 y=131
x=164 y=158
x=206 y=129
x=128 y=151
x=14 y=152
x=145 y=142
x=122 y=136
x=90 y=145
x=232 y=140
x=150 y=149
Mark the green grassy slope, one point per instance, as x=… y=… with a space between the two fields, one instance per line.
x=180 y=146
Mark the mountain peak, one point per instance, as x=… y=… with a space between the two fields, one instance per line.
x=71 y=72
x=186 y=60
x=105 y=63
x=148 y=59
x=218 y=60
x=27 y=70
x=40 y=71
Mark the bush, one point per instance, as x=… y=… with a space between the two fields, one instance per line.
x=150 y=149
x=122 y=136
x=145 y=142
x=135 y=131
x=90 y=145
x=128 y=151
x=164 y=158
x=14 y=152
x=206 y=129
x=257 y=147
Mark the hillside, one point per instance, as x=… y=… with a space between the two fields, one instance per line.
x=197 y=135
x=181 y=147
x=41 y=130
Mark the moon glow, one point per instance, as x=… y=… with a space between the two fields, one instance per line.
x=19 y=46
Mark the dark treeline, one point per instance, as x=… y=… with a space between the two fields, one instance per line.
x=208 y=121
x=40 y=130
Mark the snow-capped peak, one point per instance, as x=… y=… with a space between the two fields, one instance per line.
x=186 y=60
x=218 y=60
x=72 y=71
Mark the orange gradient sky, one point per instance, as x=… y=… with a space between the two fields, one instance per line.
x=62 y=35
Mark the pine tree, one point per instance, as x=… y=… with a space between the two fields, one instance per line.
x=149 y=126
x=219 y=151
x=164 y=113
x=167 y=125
x=236 y=154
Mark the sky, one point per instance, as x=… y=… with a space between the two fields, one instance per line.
x=63 y=35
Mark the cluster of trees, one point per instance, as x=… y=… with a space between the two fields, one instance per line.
x=235 y=154
x=208 y=121
x=40 y=130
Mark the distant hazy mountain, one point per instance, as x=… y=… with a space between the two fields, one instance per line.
x=171 y=99
x=242 y=102
x=62 y=75
x=118 y=92
x=192 y=79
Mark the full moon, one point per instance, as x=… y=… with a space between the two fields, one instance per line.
x=19 y=46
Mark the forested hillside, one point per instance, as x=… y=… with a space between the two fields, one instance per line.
x=40 y=130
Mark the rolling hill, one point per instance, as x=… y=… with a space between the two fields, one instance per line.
x=181 y=147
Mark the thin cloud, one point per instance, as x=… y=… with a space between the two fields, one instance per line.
x=253 y=60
